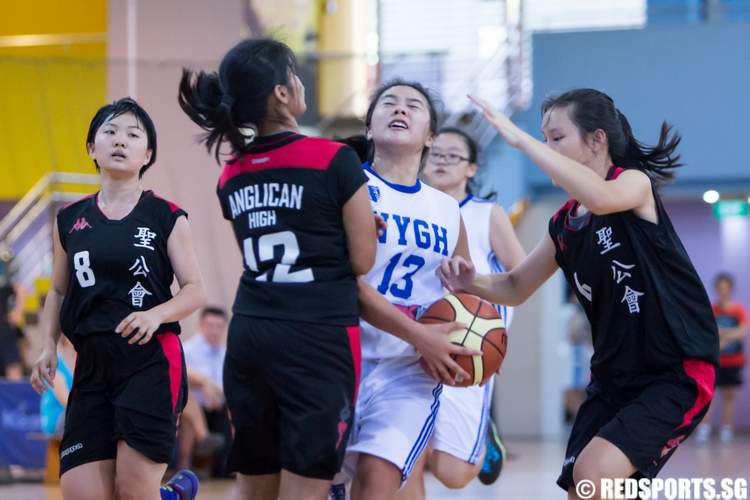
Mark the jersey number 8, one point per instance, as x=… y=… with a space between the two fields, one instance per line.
x=281 y=271
x=82 y=265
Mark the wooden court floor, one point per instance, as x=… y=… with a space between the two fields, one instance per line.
x=530 y=474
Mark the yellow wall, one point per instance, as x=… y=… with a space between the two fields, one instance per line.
x=50 y=90
x=342 y=80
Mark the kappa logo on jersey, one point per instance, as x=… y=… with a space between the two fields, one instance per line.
x=374 y=192
x=80 y=224
x=671 y=445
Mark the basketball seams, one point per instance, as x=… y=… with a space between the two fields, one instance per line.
x=491 y=342
x=479 y=316
x=450 y=299
x=488 y=324
x=476 y=361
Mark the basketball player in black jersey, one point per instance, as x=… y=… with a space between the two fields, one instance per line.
x=655 y=341
x=116 y=254
x=302 y=218
x=301 y=214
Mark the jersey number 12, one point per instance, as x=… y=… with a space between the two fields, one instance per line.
x=281 y=271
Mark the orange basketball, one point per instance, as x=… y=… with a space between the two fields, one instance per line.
x=485 y=332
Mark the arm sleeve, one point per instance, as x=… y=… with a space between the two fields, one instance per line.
x=345 y=175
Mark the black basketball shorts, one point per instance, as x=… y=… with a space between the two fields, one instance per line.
x=647 y=425
x=133 y=393
x=290 y=388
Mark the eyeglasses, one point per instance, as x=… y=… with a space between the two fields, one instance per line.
x=447 y=158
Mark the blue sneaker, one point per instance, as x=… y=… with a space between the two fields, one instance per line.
x=184 y=484
x=493 y=457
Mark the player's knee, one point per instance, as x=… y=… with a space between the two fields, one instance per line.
x=129 y=489
x=453 y=473
x=456 y=480
x=456 y=477
x=377 y=475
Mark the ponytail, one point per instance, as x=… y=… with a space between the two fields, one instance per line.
x=202 y=98
x=591 y=110
x=229 y=105
x=657 y=161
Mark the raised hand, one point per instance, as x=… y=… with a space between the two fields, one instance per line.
x=504 y=126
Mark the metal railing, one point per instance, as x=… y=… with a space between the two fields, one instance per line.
x=26 y=230
x=501 y=66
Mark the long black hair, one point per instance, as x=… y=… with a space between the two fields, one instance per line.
x=362 y=145
x=591 y=110
x=120 y=107
x=230 y=104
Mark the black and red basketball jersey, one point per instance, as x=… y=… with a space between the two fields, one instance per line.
x=284 y=197
x=647 y=306
x=116 y=266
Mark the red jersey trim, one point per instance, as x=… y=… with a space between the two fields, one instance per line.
x=172 y=206
x=561 y=211
x=310 y=153
x=172 y=349
x=614 y=173
x=704 y=376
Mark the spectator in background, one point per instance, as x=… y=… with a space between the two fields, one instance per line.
x=54 y=402
x=204 y=357
x=11 y=310
x=732 y=320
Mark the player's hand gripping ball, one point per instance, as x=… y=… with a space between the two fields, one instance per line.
x=485 y=332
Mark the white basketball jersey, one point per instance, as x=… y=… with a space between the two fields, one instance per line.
x=423 y=228
x=477 y=213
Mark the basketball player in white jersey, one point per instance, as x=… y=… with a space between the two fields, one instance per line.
x=398 y=400
x=458 y=443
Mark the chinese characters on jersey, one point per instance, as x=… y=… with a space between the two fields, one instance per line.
x=620 y=271
x=143 y=239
